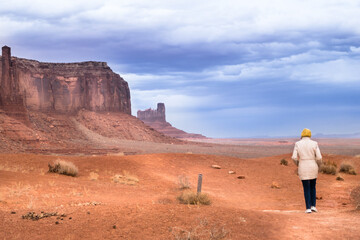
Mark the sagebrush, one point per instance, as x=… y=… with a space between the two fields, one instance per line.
x=190 y=197
x=328 y=168
x=348 y=168
x=125 y=178
x=63 y=167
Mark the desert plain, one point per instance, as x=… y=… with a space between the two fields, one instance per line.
x=266 y=202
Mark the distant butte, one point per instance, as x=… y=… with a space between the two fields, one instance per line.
x=157 y=120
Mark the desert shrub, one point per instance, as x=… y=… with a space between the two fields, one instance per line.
x=183 y=182
x=125 y=178
x=63 y=167
x=328 y=168
x=347 y=168
x=284 y=162
x=190 y=197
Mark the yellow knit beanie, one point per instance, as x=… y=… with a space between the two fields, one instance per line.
x=306 y=133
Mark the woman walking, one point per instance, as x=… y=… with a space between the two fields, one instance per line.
x=307 y=157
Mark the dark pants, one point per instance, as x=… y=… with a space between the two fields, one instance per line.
x=309 y=192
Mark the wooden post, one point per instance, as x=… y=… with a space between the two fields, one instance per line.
x=199 y=183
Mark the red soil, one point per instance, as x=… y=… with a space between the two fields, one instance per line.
x=242 y=208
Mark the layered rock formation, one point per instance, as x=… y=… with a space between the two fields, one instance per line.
x=67 y=107
x=60 y=87
x=157 y=120
x=150 y=115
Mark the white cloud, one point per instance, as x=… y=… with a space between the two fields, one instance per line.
x=47 y=9
x=188 y=22
x=175 y=100
x=315 y=66
x=337 y=71
x=355 y=49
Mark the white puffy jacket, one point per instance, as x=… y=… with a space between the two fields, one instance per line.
x=307 y=156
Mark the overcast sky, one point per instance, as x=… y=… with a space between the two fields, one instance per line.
x=223 y=68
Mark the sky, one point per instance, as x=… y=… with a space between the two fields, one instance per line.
x=223 y=68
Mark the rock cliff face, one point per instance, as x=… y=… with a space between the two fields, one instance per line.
x=60 y=87
x=157 y=120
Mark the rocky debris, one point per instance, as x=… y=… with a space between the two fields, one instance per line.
x=241 y=177
x=33 y=216
x=157 y=120
x=232 y=172
x=114 y=226
x=216 y=166
x=275 y=185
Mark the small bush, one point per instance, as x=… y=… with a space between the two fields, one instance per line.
x=125 y=178
x=63 y=167
x=347 y=168
x=183 y=182
x=328 y=168
x=189 y=197
x=284 y=162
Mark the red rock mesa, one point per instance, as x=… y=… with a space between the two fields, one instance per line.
x=60 y=87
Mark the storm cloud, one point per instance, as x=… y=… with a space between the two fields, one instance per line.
x=223 y=69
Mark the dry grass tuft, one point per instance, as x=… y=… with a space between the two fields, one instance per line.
x=125 y=178
x=63 y=167
x=190 y=197
x=93 y=176
x=328 y=168
x=183 y=182
x=284 y=162
x=202 y=231
x=348 y=168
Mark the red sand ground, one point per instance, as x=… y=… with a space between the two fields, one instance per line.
x=242 y=208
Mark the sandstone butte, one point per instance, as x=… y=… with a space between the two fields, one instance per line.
x=156 y=118
x=60 y=87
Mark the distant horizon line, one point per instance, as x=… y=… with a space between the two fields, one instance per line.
x=317 y=135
